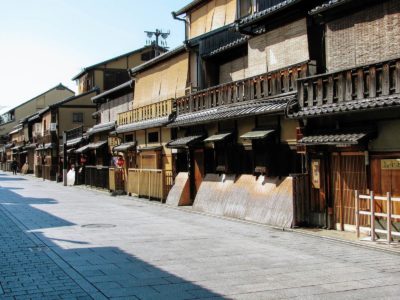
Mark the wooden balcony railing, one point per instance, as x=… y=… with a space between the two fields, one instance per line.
x=380 y=79
x=160 y=109
x=253 y=88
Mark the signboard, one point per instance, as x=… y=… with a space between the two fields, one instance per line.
x=53 y=126
x=315 y=173
x=113 y=141
x=390 y=164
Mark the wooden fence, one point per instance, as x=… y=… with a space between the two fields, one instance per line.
x=97 y=176
x=386 y=213
x=38 y=170
x=151 y=183
x=116 y=179
x=49 y=172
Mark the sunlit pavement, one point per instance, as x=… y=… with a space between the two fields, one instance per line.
x=72 y=243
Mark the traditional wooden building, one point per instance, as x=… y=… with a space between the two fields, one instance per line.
x=12 y=117
x=48 y=126
x=234 y=145
x=142 y=129
x=349 y=114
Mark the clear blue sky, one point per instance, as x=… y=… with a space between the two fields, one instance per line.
x=45 y=42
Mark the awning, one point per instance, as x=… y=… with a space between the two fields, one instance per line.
x=16 y=148
x=101 y=128
x=257 y=134
x=74 y=142
x=15 y=131
x=71 y=150
x=8 y=146
x=30 y=146
x=149 y=148
x=184 y=142
x=217 y=137
x=336 y=139
x=82 y=149
x=124 y=147
x=151 y=123
x=45 y=146
x=91 y=146
x=274 y=105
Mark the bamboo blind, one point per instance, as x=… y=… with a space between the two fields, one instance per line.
x=278 y=48
x=164 y=81
x=212 y=15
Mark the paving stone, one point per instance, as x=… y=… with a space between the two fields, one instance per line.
x=152 y=251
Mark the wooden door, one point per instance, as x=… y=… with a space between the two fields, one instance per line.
x=318 y=191
x=198 y=170
x=348 y=172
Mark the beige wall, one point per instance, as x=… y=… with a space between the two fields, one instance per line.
x=163 y=81
x=370 y=35
x=212 y=15
x=65 y=113
x=29 y=108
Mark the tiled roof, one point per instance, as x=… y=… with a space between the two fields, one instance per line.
x=236 y=110
x=184 y=141
x=74 y=142
x=327 y=5
x=348 y=106
x=151 y=123
x=335 y=138
x=114 y=90
x=240 y=41
x=101 y=128
x=261 y=14
x=124 y=147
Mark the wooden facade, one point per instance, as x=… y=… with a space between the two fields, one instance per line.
x=349 y=117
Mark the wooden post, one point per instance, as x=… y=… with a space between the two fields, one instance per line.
x=357 y=215
x=372 y=217
x=389 y=218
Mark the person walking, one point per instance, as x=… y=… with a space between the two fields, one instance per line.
x=14 y=166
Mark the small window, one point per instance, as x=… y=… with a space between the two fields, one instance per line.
x=128 y=138
x=77 y=117
x=152 y=137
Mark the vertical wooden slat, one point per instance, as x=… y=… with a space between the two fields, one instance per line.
x=397 y=77
x=389 y=218
x=360 y=84
x=329 y=92
x=286 y=81
x=372 y=201
x=310 y=92
x=258 y=88
x=372 y=82
x=357 y=214
x=265 y=86
x=349 y=86
x=341 y=87
x=320 y=91
x=273 y=85
x=385 y=80
x=300 y=92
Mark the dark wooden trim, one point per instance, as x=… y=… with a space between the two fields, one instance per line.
x=78 y=106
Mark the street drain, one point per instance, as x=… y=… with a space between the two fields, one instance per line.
x=98 y=226
x=38 y=249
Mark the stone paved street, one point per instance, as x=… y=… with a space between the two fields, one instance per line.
x=73 y=243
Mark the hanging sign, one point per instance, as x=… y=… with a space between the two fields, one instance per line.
x=390 y=164
x=315 y=173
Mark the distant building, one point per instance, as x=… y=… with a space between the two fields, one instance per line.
x=10 y=119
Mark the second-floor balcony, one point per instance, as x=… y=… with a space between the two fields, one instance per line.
x=152 y=115
x=371 y=86
x=261 y=94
